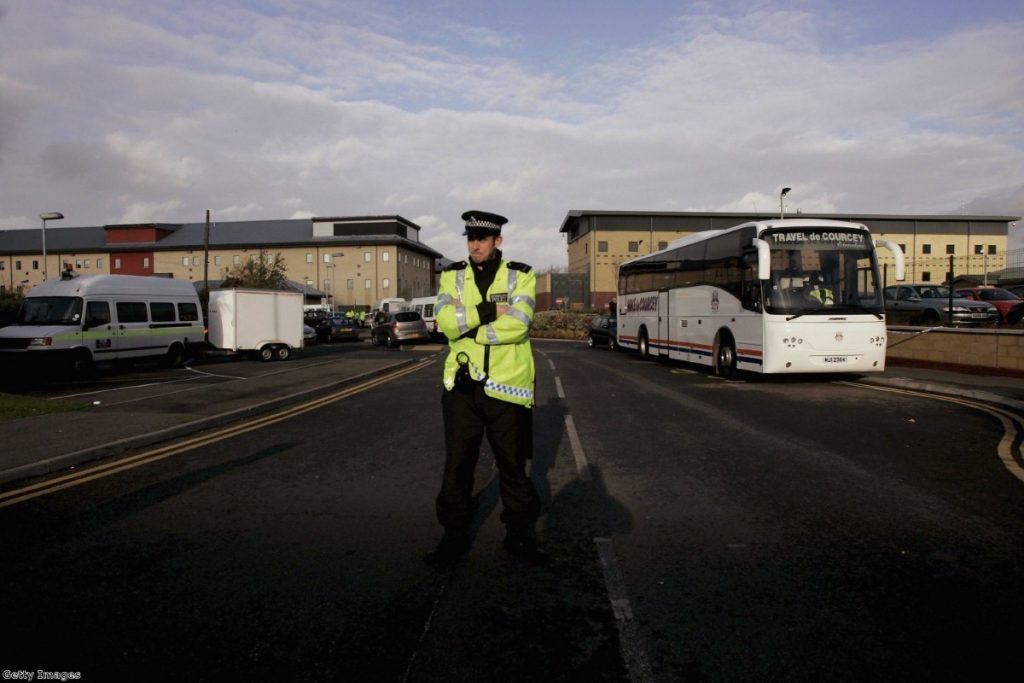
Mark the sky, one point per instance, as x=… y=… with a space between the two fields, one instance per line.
x=122 y=111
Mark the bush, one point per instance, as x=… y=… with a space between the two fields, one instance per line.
x=9 y=305
x=561 y=324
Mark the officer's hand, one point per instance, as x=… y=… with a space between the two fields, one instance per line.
x=502 y=309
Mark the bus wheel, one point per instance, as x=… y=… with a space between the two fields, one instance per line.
x=725 y=357
x=282 y=352
x=267 y=354
x=644 y=345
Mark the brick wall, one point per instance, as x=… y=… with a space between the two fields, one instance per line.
x=999 y=351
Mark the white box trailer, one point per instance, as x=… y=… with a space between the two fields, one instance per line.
x=263 y=322
x=104 y=317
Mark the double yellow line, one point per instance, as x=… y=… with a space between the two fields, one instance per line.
x=1013 y=425
x=83 y=476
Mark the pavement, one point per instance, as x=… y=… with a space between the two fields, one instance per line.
x=119 y=420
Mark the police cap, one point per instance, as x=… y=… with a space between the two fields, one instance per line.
x=482 y=223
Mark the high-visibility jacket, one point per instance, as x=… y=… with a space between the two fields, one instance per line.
x=498 y=352
x=821 y=294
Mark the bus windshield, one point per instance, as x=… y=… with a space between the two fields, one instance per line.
x=821 y=271
x=50 y=310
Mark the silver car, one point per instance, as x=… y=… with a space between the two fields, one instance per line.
x=928 y=304
x=399 y=328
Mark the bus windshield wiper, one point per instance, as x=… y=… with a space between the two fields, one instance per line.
x=862 y=309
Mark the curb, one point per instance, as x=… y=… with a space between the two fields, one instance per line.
x=947 y=390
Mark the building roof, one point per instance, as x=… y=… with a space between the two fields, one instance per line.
x=190 y=236
x=742 y=217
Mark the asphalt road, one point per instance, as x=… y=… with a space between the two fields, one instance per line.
x=794 y=529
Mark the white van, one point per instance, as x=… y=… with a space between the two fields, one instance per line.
x=424 y=305
x=105 y=317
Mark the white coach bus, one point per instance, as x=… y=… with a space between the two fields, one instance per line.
x=773 y=296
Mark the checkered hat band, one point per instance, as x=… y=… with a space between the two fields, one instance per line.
x=477 y=223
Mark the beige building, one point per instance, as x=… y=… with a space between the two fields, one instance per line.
x=353 y=261
x=598 y=241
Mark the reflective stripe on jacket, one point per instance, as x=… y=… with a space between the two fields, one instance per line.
x=508 y=368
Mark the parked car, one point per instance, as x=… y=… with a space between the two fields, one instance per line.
x=1016 y=289
x=928 y=303
x=308 y=334
x=1009 y=305
x=603 y=332
x=398 y=328
x=339 y=328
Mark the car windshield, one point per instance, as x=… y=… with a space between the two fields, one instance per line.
x=50 y=310
x=821 y=272
x=932 y=292
x=996 y=295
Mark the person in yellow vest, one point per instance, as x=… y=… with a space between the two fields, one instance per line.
x=485 y=307
x=816 y=290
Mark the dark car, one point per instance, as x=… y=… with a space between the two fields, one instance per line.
x=1011 y=306
x=928 y=304
x=603 y=332
x=399 y=328
x=339 y=328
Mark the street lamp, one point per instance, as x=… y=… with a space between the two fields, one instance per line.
x=48 y=216
x=334 y=298
x=782 y=208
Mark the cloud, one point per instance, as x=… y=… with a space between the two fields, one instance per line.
x=155 y=112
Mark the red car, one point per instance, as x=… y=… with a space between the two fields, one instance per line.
x=1011 y=306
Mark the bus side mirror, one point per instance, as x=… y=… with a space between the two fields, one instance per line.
x=764 y=259
x=897 y=255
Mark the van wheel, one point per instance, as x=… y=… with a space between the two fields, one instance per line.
x=81 y=362
x=175 y=356
x=267 y=354
x=644 y=345
x=282 y=353
x=725 y=356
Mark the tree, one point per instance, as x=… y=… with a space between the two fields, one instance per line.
x=259 y=272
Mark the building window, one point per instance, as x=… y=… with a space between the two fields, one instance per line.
x=634 y=246
x=236 y=259
x=87 y=263
x=992 y=249
x=309 y=258
x=350 y=284
x=662 y=245
x=3 y=265
x=145 y=262
x=926 y=248
x=367 y=256
x=385 y=256
x=368 y=284
x=216 y=260
x=385 y=283
x=35 y=265
x=17 y=265
x=950 y=248
x=184 y=261
x=979 y=248
x=926 y=276
x=99 y=263
x=602 y=246
x=903 y=248
x=117 y=264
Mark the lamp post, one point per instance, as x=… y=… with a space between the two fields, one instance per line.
x=48 y=216
x=334 y=298
x=782 y=206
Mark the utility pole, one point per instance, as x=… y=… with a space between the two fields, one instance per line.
x=206 y=261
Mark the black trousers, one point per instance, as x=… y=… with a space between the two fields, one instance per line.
x=469 y=413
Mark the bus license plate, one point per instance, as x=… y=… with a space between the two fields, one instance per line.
x=834 y=359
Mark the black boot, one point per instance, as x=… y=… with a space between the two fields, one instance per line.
x=522 y=544
x=454 y=545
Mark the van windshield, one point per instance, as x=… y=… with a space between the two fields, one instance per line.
x=50 y=310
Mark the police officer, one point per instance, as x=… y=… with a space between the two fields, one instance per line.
x=485 y=307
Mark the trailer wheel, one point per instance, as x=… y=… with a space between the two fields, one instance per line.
x=282 y=352
x=267 y=353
